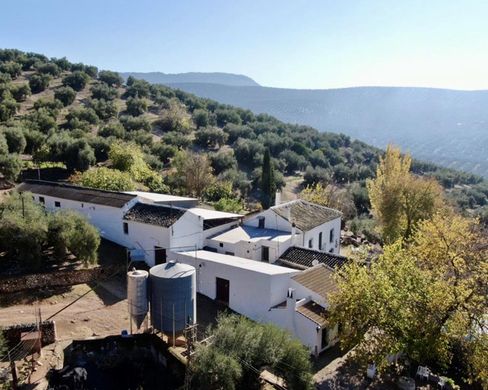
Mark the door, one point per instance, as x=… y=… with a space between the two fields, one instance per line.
x=222 y=294
x=265 y=253
x=159 y=255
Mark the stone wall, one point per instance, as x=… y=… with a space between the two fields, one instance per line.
x=13 y=333
x=52 y=279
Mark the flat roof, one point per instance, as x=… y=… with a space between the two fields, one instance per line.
x=251 y=234
x=239 y=262
x=159 y=197
x=212 y=214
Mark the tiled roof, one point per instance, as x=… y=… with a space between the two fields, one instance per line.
x=314 y=312
x=305 y=215
x=76 y=193
x=319 y=279
x=153 y=215
x=302 y=258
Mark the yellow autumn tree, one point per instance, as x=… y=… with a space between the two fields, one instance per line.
x=399 y=199
x=427 y=299
x=330 y=196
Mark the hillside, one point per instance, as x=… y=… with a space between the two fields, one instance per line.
x=446 y=127
x=219 y=78
x=121 y=135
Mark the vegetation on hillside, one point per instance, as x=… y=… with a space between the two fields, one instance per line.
x=57 y=111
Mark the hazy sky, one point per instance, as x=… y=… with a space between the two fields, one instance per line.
x=282 y=43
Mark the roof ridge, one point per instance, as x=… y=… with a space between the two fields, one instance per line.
x=73 y=186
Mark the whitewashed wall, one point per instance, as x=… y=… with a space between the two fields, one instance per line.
x=325 y=229
x=108 y=220
x=272 y=221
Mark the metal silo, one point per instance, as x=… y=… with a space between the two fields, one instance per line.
x=173 y=296
x=137 y=295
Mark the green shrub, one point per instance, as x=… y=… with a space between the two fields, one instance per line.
x=76 y=80
x=65 y=95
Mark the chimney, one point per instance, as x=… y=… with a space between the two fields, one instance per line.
x=291 y=304
x=277 y=198
x=293 y=233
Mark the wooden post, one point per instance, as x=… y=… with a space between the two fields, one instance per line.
x=13 y=368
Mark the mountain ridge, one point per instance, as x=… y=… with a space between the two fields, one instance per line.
x=218 y=78
x=444 y=126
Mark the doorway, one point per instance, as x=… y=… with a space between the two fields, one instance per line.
x=222 y=294
x=159 y=255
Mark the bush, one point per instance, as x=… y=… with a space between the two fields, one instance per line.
x=112 y=130
x=65 y=95
x=76 y=80
x=225 y=116
x=241 y=343
x=136 y=106
x=110 y=78
x=39 y=82
x=138 y=88
x=3 y=144
x=222 y=161
x=34 y=140
x=200 y=117
x=8 y=108
x=210 y=137
x=163 y=151
x=70 y=231
x=79 y=156
x=131 y=123
x=106 y=179
x=105 y=109
x=23 y=230
x=15 y=139
x=49 y=68
x=12 y=68
x=104 y=91
x=229 y=205
x=218 y=190
x=20 y=92
x=10 y=166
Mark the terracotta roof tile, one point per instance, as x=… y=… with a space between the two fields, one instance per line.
x=319 y=279
x=153 y=215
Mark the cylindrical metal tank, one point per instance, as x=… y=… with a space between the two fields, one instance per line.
x=173 y=296
x=137 y=295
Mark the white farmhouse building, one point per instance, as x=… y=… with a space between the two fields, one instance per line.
x=267 y=235
x=274 y=266
x=145 y=223
x=290 y=298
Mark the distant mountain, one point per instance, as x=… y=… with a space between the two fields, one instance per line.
x=447 y=127
x=231 y=79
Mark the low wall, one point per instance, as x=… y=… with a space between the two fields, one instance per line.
x=53 y=279
x=13 y=333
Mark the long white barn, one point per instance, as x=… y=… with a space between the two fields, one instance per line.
x=274 y=266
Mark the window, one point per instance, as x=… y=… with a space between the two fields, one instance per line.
x=229 y=253
x=325 y=338
x=57 y=204
x=310 y=243
x=126 y=228
x=265 y=253
x=42 y=200
x=331 y=238
x=320 y=241
x=221 y=244
x=261 y=222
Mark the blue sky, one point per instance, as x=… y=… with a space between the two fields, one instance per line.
x=282 y=43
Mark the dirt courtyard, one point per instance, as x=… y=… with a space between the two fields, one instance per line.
x=101 y=312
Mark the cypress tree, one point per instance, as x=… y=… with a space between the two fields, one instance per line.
x=268 y=185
